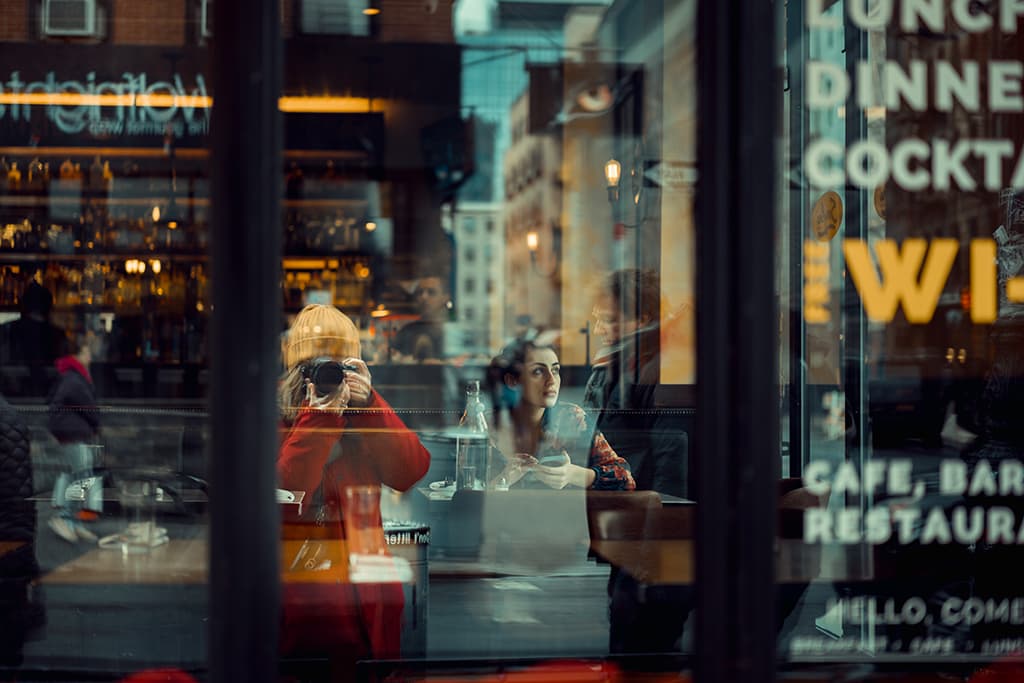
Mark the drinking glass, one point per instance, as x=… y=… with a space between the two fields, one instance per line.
x=364 y=530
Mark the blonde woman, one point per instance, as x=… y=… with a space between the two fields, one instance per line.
x=337 y=431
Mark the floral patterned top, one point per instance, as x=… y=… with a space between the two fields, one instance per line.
x=565 y=428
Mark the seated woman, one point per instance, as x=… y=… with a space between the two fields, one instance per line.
x=334 y=436
x=553 y=443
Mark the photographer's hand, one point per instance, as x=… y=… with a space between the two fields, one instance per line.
x=336 y=400
x=359 y=382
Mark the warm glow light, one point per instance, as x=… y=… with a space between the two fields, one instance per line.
x=172 y=225
x=142 y=266
x=328 y=105
x=370 y=226
x=532 y=241
x=380 y=312
x=612 y=172
x=371 y=11
x=155 y=265
x=316 y=105
x=74 y=99
x=362 y=271
x=304 y=264
x=156 y=214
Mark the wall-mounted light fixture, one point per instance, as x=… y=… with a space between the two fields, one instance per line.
x=613 y=173
x=553 y=254
x=532 y=242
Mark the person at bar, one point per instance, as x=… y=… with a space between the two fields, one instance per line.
x=32 y=340
x=423 y=340
x=552 y=443
x=334 y=437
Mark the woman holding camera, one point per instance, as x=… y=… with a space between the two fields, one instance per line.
x=339 y=432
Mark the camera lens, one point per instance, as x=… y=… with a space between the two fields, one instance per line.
x=326 y=374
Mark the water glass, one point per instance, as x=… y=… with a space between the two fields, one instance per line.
x=138 y=500
x=364 y=531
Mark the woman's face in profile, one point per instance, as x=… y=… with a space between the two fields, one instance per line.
x=540 y=378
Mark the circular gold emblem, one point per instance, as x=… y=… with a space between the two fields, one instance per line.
x=880 y=201
x=827 y=216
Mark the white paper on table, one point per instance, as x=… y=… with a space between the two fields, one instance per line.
x=378 y=569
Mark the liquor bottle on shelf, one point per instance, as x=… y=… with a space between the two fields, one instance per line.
x=36 y=179
x=14 y=177
x=108 y=177
x=96 y=175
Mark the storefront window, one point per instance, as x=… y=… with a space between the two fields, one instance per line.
x=539 y=425
x=485 y=386
x=899 y=334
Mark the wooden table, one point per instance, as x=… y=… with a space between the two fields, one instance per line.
x=183 y=562
x=671 y=561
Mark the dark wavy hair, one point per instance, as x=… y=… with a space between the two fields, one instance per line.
x=513 y=356
x=638 y=292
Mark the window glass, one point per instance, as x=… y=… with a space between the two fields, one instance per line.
x=104 y=313
x=897 y=269
x=523 y=326
x=485 y=434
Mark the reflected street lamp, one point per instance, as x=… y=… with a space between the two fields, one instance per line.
x=613 y=173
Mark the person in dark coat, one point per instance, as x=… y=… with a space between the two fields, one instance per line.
x=623 y=381
x=32 y=341
x=19 y=614
x=74 y=422
x=621 y=390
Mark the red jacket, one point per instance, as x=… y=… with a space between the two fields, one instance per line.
x=390 y=453
x=347 y=619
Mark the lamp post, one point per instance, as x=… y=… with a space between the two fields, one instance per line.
x=613 y=173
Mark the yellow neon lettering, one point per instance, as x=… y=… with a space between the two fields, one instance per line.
x=815 y=250
x=984 y=302
x=816 y=271
x=816 y=314
x=816 y=292
x=899 y=269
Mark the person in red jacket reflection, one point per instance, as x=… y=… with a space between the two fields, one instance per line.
x=337 y=431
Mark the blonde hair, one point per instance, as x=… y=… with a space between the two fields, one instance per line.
x=317 y=331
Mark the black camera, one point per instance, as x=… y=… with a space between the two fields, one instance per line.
x=326 y=374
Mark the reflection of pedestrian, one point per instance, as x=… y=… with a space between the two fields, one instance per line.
x=74 y=422
x=19 y=614
x=333 y=437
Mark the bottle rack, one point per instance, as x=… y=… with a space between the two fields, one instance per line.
x=124 y=233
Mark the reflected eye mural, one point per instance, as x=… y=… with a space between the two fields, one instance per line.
x=595 y=99
x=562 y=93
